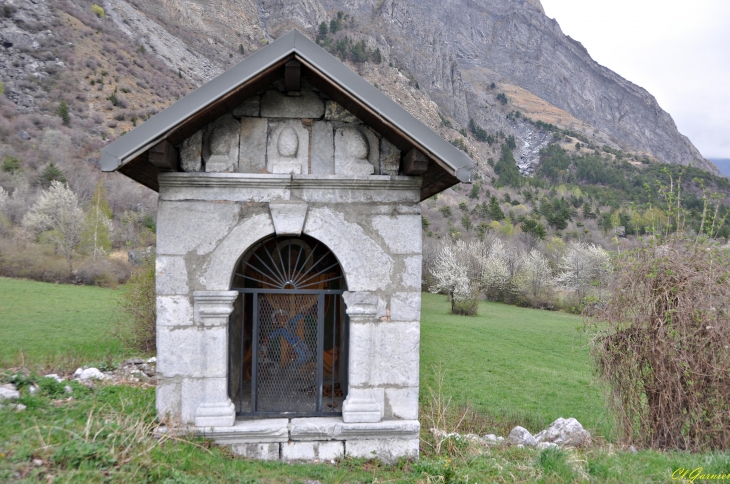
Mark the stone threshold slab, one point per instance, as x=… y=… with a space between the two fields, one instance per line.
x=333 y=428
x=248 y=431
x=309 y=429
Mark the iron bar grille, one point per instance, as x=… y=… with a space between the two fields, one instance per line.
x=288 y=331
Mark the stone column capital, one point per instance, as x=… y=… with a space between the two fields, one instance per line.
x=361 y=305
x=213 y=307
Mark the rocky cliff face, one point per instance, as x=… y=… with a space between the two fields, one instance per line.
x=455 y=56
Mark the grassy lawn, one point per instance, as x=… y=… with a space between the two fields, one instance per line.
x=522 y=365
x=55 y=324
x=512 y=366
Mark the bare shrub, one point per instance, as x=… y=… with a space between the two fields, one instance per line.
x=136 y=314
x=663 y=346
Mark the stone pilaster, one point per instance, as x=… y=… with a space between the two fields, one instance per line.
x=361 y=404
x=211 y=312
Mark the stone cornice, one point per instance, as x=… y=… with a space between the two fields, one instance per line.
x=268 y=187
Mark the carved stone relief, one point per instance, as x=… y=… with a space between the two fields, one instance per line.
x=220 y=145
x=288 y=147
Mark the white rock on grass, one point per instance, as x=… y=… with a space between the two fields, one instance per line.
x=89 y=374
x=546 y=445
x=565 y=432
x=55 y=377
x=521 y=436
x=152 y=360
x=9 y=392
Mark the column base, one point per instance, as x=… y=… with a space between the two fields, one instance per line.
x=361 y=409
x=215 y=415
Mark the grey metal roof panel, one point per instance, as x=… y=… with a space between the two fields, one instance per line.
x=153 y=130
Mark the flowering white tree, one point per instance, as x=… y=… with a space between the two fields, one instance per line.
x=4 y=197
x=457 y=271
x=58 y=216
x=535 y=274
x=496 y=272
x=582 y=266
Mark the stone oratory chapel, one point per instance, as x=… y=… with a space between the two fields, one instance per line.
x=288 y=267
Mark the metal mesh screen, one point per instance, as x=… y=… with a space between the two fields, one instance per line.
x=287 y=343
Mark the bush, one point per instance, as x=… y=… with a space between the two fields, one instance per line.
x=466 y=307
x=98 y=11
x=664 y=351
x=137 y=315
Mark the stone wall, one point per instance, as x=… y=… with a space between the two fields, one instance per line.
x=302 y=132
x=207 y=221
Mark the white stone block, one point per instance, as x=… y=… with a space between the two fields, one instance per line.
x=323 y=148
x=257 y=451
x=220 y=145
x=171 y=275
x=217 y=273
x=354 y=249
x=336 y=112
x=401 y=233
x=288 y=147
x=215 y=351
x=275 y=104
x=353 y=151
x=410 y=278
x=167 y=399
x=192 y=394
x=249 y=107
x=191 y=153
x=308 y=451
x=395 y=354
x=389 y=158
x=174 y=311
x=402 y=403
x=387 y=450
x=288 y=217
x=179 y=351
x=405 y=306
x=360 y=362
x=252 y=147
x=184 y=227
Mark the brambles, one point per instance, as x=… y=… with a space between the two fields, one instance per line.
x=664 y=351
x=137 y=311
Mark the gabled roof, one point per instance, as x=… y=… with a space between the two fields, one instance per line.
x=129 y=154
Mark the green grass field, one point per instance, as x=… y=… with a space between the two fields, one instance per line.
x=55 y=324
x=519 y=364
x=511 y=365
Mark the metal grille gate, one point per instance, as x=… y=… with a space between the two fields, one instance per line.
x=288 y=348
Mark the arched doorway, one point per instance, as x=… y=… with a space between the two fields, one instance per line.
x=288 y=330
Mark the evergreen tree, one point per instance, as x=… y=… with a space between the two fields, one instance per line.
x=495 y=211
x=474 y=194
x=377 y=56
x=63 y=112
x=466 y=222
x=323 y=30
x=533 y=228
x=50 y=174
x=506 y=169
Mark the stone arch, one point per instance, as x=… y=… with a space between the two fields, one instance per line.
x=350 y=244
